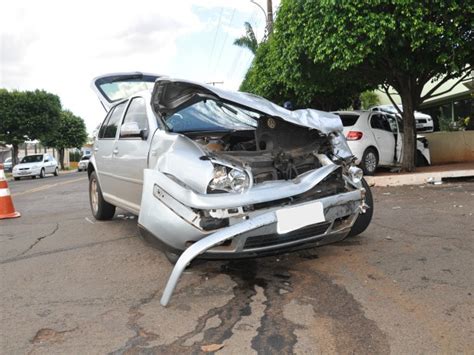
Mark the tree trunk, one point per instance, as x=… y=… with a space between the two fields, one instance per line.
x=409 y=132
x=61 y=157
x=15 y=154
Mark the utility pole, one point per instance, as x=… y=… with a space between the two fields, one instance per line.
x=269 y=17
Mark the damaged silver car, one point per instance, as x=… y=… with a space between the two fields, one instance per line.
x=217 y=174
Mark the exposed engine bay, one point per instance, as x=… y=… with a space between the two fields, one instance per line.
x=275 y=150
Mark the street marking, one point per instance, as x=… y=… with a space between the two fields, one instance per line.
x=88 y=220
x=46 y=187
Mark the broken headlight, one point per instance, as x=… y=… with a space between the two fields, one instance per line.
x=355 y=174
x=229 y=179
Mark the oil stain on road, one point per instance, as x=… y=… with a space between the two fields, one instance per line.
x=287 y=281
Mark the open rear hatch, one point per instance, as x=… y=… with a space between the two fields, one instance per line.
x=111 y=88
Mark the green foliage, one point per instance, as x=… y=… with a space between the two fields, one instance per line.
x=340 y=48
x=369 y=99
x=27 y=115
x=248 y=41
x=70 y=132
x=282 y=70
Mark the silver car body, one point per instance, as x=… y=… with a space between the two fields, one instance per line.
x=164 y=177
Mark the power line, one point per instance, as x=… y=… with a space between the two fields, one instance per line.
x=223 y=44
x=215 y=37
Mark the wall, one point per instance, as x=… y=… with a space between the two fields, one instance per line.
x=451 y=147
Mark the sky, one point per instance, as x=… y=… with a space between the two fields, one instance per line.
x=60 y=46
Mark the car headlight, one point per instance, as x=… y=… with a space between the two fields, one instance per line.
x=355 y=174
x=230 y=180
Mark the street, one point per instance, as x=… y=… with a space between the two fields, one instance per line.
x=73 y=285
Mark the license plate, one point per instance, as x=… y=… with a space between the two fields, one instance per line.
x=419 y=126
x=23 y=172
x=292 y=218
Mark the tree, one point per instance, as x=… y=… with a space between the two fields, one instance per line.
x=70 y=133
x=369 y=99
x=248 y=41
x=282 y=70
x=396 y=43
x=27 y=115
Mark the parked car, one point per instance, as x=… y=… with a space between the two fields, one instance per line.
x=36 y=165
x=424 y=122
x=376 y=139
x=7 y=165
x=220 y=174
x=83 y=163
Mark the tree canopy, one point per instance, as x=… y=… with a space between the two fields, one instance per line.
x=319 y=46
x=70 y=133
x=248 y=41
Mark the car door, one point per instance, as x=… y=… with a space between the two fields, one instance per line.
x=384 y=138
x=103 y=150
x=130 y=155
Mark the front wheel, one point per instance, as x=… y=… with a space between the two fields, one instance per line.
x=17 y=178
x=56 y=171
x=42 y=173
x=101 y=209
x=363 y=220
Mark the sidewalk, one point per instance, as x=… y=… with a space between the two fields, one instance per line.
x=429 y=174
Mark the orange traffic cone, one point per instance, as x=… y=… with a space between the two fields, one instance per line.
x=7 y=210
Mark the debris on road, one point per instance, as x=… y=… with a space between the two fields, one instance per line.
x=211 y=348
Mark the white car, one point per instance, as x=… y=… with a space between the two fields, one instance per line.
x=376 y=139
x=7 y=165
x=424 y=122
x=36 y=165
x=83 y=163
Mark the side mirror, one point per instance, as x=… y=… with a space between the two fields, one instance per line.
x=130 y=130
x=46 y=160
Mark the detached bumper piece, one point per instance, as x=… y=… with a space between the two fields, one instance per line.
x=341 y=202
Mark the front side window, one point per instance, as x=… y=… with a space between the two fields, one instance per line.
x=211 y=115
x=112 y=123
x=380 y=122
x=136 y=112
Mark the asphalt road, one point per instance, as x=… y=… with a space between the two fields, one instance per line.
x=72 y=285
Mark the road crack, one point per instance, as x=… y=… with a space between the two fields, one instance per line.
x=39 y=239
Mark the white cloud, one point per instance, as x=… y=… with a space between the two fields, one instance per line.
x=60 y=46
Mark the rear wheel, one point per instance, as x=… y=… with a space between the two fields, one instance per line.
x=42 y=173
x=101 y=209
x=363 y=220
x=369 y=161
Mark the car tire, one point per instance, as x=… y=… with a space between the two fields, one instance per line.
x=363 y=220
x=172 y=257
x=369 y=161
x=420 y=159
x=42 y=173
x=17 y=178
x=101 y=209
x=56 y=171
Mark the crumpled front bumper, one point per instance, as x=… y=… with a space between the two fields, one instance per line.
x=168 y=212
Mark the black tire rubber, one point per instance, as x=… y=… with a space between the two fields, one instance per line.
x=420 y=160
x=17 y=178
x=42 y=173
x=105 y=210
x=172 y=257
x=56 y=172
x=362 y=161
x=363 y=220
x=33 y=177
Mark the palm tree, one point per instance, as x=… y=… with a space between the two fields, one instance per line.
x=249 y=40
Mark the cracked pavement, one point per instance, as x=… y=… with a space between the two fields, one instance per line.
x=72 y=285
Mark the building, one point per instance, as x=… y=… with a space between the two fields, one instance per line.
x=456 y=103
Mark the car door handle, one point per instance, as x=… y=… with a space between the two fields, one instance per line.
x=96 y=149
x=115 y=152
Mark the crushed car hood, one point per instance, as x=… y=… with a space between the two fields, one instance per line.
x=172 y=95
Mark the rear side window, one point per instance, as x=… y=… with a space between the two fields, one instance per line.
x=110 y=127
x=348 y=120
